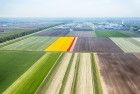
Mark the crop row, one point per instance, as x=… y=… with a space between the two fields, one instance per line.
x=63 y=73
x=31 y=79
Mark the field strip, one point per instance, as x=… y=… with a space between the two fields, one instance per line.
x=100 y=87
x=93 y=44
x=31 y=44
x=50 y=74
x=67 y=87
x=106 y=33
x=31 y=79
x=13 y=64
x=134 y=41
x=136 y=38
x=14 y=40
x=84 y=81
x=74 y=83
x=73 y=44
x=24 y=37
x=82 y=33
x=17 y=39
x=55 y=85
x=120 y=72
x=55 y=32
x=126 y=45
x=61 y=44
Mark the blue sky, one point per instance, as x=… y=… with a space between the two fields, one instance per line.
x=70 y=8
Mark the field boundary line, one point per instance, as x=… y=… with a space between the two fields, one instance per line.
x=50 y=45
x=93 y=72
x=73 y=44
x=18 y=80
x=66 y=75
x=75 y=78
x=101 y=89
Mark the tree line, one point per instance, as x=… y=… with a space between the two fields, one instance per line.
x=10 y=37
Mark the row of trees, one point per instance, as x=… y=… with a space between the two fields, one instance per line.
x=10 y=37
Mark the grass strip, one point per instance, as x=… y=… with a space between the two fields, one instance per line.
x=134 y=41
x=31 y=79
x=33 y=43
x=74 y=84
x=49 y=76
x=66 y=75
x=96 y=75
x=15 y=63
x=108 y=33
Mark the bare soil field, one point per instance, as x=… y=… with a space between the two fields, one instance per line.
x=137 y=55
x=82 y=33
x=103 y=45
x=120 y=72
x=55 y=32
x=82 y=29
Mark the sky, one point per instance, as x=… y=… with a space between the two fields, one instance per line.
x=69 y=8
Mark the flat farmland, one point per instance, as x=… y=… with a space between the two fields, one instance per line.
x=128 y=45
x=54 y=32
x=32 y=78
x=82 y=33
x=136 y=38
x=96 y=45
x=110 y=33
x=34 y=43
x=131 y=34
x=75 y=74
x=13 y=64
x=82 y=29
x=75 y=57
x=120 y=72
x=137 y=55
x=61 y=44
x=12 y=31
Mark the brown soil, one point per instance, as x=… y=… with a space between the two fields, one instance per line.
x=81 y=33
x=101 y=45
x=55 y=32
x=121 y=73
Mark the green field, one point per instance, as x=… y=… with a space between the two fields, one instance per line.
x=112 y=33
x=34 y=43
x=31 y=79
x=13 y=64
x=13 y=31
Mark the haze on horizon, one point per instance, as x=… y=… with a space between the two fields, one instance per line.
x=70 y=8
